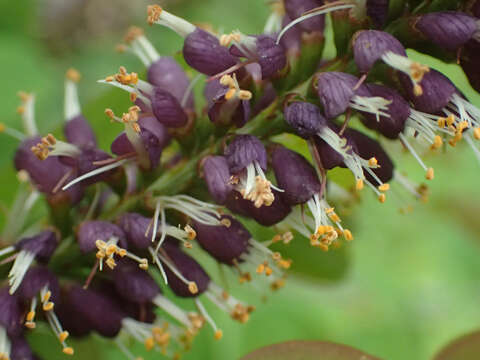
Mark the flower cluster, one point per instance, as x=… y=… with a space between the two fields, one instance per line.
x=126 y=225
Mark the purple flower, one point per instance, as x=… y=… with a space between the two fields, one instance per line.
x=10 y=313
x=21 y=350
x=296 y=8
x=79 y=132
x=227 y=244
x=42 y=245
x=448 y=29
x=37 y=279
x=135 y=227
x=89 y=232
x=217 y=176
x=305 y=118
x=294 y=175
x=167 y=109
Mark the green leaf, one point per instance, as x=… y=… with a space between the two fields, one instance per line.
x=308 y=350
x=466 y=347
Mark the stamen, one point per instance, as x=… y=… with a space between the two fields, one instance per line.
x=27 y=110
x=95 y=172
x=14 y=133
x=157 y=15
x=321 y=10
x=72 y=104
x=19 y=269
x=177 y=313
x=217 y=332
x=411 y=68
x=374 y=105
x=254 y=185
x=429 y=171
x=200 y=211
x=5 y=345
x=51 y=146
x=192 y=286
x=157 y=261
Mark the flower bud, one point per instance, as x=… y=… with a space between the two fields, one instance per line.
x=21 y=350
x=35 y=280
x=447 y=29
x=10 y=313
x=295 y=175
x=370 y=45
x=167 y=109
x=217 y=176
x=398 y=111
x=203 y=52
x=189 y=269
x=296 y=8
x=102 y=312
x=79 y=132
x=224 y=243
x=245 y=150
x=135 y=227
x=133 y=283
x=90 y=231
x=329 y=156
x=168 y=75
x=42 y=245
x=305 y=118
x=438 y=90
x=264 y=215
x=368 y=148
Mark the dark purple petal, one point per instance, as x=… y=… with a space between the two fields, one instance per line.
x=167 y=109
x=264 y=215
x=367 y=148
x=377 y=10
x=370 y=45
x=335 y=91
x=102 y=312
x=203 y=52
x=295 y=9
x=20 y=349
x=10 y=313
x=329 y=157
x=159 y=130
x=217 y=176
x=84 y=164
x=271 y=56
x=135 y=226
x=225 y=244
x=43 y=245
x=398 y=109
x=222 y=111
x=448 y=29
x=292 y=39
x=35 y=280
x=295 y=175
x=244 y=150
x=437 y=89
x=71 y=320
x=90 y=231
x=44 y=173
x=189 y=268
x=168 y=75
x=305 y=118
x=470 y=62
x=133 y=283
x=79 y=132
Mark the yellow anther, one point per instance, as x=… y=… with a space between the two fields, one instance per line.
x=417 y=90
x=278 y=284
x=192 y=287
x=430 y=174
x=372 y=162
x=417 y=71
x=227 y=80
x=111 y=249
x=121 y=252
x=109 y=78
x=244 y=95
x=276 y=238
x=226 y=222
x=46 y=296
x=347 y=234
x=476 y=133
x=260 y=268
x=68 y=350
x=111 y=263
x=441 y=122
x=450 y=120
x=24 y=96
x=133 y=97
x=100 y=255
x=153 y=13
x=143 y=265
x=384 y=187
x=276 y=256
x=48 y=306
x=382 y=198
x=284 y=264
x=437 y=142
x=2 y=127
x=287 y=237
x=191 y=233
x=334 y=217
x=230 y=94
x=73 y=75
x=110 y=113
x=133 y=32
x=218 y=334
x=30 y=316
x=149 y=343
x=359 y=184
x=63 y=336
x=30 y=325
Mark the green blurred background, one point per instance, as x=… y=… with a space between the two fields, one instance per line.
x=403 y=288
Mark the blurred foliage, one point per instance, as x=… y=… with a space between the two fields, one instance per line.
x=408 y=283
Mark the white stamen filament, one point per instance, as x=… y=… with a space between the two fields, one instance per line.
x=124 y=350
x=95 y=172
x=189 y=90
x=148 y=48
x=173 y=269
x=7 y=250
x=129 y=89
x=28 y=117
x=206 y=315
x=62 y=148
x=72 y=104
x=173 y=310
x=310 y=15
x=273 y=24
x=467 y=111
x=412 y=151
x=19 y=269
x=197 y=210
x=14 y=133
x=157 y=261
x=175 y=23
x=406 y=184
x=410 y=68
x=375 y=105
x=136 y=140
x=155 y=220
x=5 y=345
x=473 y=145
